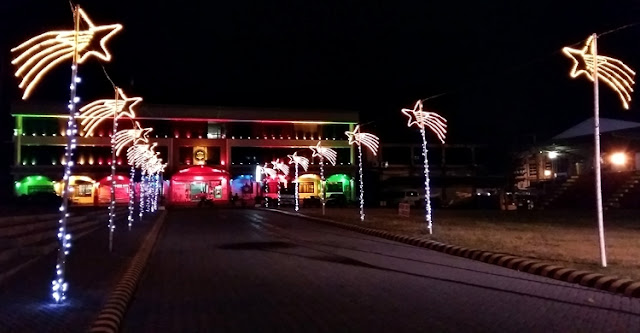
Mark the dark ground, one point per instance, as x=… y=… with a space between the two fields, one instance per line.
x=251 y=270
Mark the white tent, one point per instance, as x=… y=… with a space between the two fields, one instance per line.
x=586 y=127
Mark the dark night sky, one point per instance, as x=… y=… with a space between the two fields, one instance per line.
x=498 y=61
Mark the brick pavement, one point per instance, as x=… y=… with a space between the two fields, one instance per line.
x=250 y=270
x=25 y=301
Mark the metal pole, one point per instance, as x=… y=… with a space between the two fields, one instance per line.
x=112 y=204
x=596 y=133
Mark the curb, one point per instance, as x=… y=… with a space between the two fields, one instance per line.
x=114 y=309
x=594 y=280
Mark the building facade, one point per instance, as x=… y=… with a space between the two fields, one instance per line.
x=234 y=140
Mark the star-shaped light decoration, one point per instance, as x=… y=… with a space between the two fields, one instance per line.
x=422 y=118
x=270 y=172
x=134 y=136
x=138 y=155
x=366 y=139
x=278 y=165
x=299 y=160
x=326 y=153
x=97 y=111
x=612 y=71
x=43 y=52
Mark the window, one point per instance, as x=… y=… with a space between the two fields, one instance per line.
x=306 y=187
x=214 y=131
x=84 y=190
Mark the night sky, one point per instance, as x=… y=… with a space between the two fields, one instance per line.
x=498 y=62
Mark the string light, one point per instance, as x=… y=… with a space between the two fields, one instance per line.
x=42 y=53
x=422 y=119
x=370 y=141
x=270 y=174
x=97 y=111
x=612 y=71
x=331 y=156
x=304 y=162
x=278 y=165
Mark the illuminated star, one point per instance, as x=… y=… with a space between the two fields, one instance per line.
x=612 y=71
x=423 y=118
x=322 y=152
x=368 y=140
x=299 y=160
x=43 y=52
x=97 y=111
x=281 y=166
x=136 y=135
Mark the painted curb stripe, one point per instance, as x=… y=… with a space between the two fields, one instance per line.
x=116 y=305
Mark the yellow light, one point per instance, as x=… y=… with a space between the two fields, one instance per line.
x=97 y=111
x=43 y=52
x=422 y=118
x=618 y=158
x=612 y=71
x=368 y=140
x=547 y=173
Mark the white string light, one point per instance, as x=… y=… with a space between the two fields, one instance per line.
x=278 y=165
x=331 y=156
x=304 y=162
x=270 y=174
x=370 y=141
x=422 y=119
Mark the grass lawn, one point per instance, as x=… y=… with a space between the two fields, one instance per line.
x=568 y=238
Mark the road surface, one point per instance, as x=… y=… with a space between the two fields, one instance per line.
x=235 y=270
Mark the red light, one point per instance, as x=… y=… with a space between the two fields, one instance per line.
x=223 y=162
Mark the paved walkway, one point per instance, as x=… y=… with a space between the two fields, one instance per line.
x=92 y=271
x=256 y=271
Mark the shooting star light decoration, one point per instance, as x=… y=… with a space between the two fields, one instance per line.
x=34 y=58
x=612 y=71
x=281 y=166
x=271 y=174
x=137 y=135
x=43 y=52
x=97 y=111
x=304 y=162
x=331 y=156
x=133 y=136
x=438 y=124
x=620 y=78
x=370 y=141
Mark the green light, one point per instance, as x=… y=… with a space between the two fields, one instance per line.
x=17 y=184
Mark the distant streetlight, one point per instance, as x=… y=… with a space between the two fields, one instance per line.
x=553 y=155
x=618 y=158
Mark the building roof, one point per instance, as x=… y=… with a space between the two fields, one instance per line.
x=210 y=113
x=587 y=128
